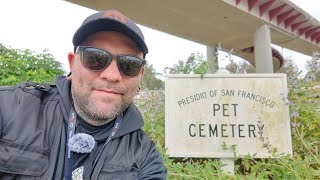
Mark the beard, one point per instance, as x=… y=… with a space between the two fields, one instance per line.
x=105 y=109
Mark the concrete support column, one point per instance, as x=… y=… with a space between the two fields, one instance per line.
x=262 y=50
x=212 y=59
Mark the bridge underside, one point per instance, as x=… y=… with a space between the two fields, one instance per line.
x=232 y=23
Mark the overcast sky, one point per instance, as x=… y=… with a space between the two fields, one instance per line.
x=40 y=24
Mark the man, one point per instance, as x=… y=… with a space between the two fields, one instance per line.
x=86 y=126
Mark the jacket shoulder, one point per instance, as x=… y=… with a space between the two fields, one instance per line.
x=30 y=124
x=27 y=88
x=12 y=97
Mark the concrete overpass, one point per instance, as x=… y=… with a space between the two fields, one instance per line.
x=241 y=25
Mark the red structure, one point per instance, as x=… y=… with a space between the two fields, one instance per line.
x=251 y=4
x=275 y=11
x=282 y=14
x=264 y=7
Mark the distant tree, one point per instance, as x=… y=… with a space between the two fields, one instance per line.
x=245 y=67
x=150 y=81
x=289 y=68
x=288 y=65
x=313 y=67
x=241 y=67
x=18 y=66
x=195 y=64
x=181 y=68
x=233 y=67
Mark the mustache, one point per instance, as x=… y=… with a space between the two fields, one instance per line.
x=113 y=87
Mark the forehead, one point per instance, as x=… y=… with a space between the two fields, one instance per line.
x=104 y=37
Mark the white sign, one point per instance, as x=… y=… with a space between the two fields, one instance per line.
x=247 y=110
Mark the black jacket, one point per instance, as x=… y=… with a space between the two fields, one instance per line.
x=33 y=121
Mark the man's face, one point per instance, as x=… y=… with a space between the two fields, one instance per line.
x=100 y=96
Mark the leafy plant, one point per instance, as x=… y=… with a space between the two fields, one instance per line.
x=150 y=80
x=195 y=64
x=18 y=66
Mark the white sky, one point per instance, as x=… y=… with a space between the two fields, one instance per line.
x=50 y=24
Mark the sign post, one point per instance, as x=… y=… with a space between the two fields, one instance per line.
x=229 y=165
x=248 y=111
x=227 y=162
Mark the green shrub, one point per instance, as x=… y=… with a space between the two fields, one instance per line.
x=18 y=66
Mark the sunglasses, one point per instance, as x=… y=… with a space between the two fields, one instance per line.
x=95 y=59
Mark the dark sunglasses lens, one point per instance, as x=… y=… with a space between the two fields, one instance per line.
x=129 y=65
x=95 y=59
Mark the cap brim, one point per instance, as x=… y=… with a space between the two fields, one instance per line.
x=105 y=24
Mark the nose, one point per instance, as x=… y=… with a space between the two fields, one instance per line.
x=111 y=73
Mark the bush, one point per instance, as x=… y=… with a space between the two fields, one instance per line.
x=18 y=66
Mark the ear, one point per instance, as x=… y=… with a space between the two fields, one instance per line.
x=142 y=71
x=71 y=63
x=71 y=60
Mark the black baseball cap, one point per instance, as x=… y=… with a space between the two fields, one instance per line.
x=110 y=20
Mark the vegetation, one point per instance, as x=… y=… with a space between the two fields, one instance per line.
x=18 y=66
x=150 y=81
x=193 y=64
